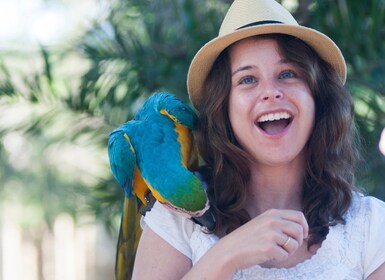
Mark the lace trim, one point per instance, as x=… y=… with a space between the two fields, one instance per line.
x=339 y=254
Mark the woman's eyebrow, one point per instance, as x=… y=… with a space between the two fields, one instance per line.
x=242 y=68
x=285 y=61
x=248 y=67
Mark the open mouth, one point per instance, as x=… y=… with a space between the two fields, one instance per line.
x=274 y=123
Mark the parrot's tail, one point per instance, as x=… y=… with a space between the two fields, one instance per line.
x=129 y=235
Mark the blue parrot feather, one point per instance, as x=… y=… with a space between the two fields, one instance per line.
x=150 y=157
x=159 y=143
x=122 y=159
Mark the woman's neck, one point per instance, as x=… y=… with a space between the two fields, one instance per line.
x=275 y=187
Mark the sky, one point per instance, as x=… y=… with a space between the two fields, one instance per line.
x=46 y=22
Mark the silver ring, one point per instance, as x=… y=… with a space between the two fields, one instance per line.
x=287 y=242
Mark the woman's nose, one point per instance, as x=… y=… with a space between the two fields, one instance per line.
x=270 y=91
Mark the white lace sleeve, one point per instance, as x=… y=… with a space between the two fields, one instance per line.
x=173 y=228
x=374 y=254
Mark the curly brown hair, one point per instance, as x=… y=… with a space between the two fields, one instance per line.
x=332 y=154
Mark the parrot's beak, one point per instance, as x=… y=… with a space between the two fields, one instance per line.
x=206 y=220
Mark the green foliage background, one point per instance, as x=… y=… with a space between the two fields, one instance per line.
x=143 y=46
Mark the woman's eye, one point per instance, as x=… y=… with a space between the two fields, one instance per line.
x=247 y=80
x=286 y=75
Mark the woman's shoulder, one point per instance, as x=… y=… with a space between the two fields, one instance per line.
x=364 y=219
x=366 y=206
x=170 y=226
x=165 y=218
x=366 y=225
x=364 y=222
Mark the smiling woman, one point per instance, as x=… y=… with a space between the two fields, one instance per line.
x=278 y=141
x=270 y=93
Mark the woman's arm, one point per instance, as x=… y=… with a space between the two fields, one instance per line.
x=257 y=241
x=157 y=259
x=378 y=274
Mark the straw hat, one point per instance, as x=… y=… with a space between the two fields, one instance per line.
x=247 y=18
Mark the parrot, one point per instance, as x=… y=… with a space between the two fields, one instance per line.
x=151 y=157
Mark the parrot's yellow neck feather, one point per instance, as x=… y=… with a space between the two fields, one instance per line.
x=129 y=142
x=139 y=185
x=186 y=140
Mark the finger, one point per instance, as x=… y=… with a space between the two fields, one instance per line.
x=290 y=245
x=294 y=230
x=294 y=216
x=285 y=227
x=280 y=254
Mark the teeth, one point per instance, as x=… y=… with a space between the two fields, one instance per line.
x=274 y=117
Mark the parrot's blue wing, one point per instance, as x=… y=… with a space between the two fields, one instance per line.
x=122 y=159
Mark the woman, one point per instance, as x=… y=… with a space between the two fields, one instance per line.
x=276 y=133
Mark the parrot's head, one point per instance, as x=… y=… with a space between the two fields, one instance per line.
x=176 y=109
x=171 y=106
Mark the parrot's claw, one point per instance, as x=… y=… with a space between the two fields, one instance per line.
x=150 y=200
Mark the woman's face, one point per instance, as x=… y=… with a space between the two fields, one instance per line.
x=271 y=107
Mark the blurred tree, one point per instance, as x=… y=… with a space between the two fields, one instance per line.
x=46 y=151
x=142 y=47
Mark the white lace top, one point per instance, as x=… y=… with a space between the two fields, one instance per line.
x=350 y=251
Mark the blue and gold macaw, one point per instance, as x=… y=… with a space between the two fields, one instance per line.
x=150 y=157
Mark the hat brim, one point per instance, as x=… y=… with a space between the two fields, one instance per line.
x=206 y=56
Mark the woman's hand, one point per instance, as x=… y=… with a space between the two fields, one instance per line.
x=273 y=235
